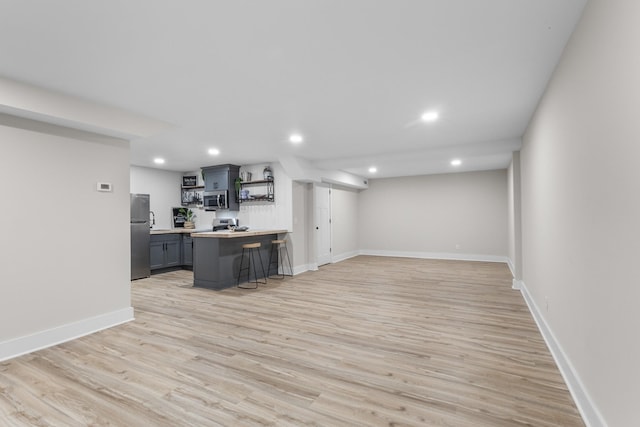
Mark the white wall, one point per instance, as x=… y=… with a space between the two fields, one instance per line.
x=344 y=223
x=274 y=215
x=427 y=216
x=23 y=100
x=581 y=210
x=164 y=190
x=299 y=238
x=515 y=217
x=65 y=257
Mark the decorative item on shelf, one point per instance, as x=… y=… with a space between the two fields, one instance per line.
x=267 y=174
x=189 y=216
x=261 y=190
x=238 y=185
x=191 y=196
x=197 y=198
x=190 y=181
x=245 y=176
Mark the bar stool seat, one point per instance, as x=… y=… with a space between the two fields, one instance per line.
x=279 y=248
x=252 y=248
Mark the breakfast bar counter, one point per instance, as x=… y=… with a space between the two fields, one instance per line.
x=217 y=254
x=235 y=234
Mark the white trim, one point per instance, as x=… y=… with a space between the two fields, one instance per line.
x=344 y=256
x=517 y=284
x=436 y=255
x=299 y=269
x=587 y=407
x=511 y=267
x=314 y=266
x=54 y=336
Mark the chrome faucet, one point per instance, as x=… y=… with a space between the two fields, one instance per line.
x=153 y=219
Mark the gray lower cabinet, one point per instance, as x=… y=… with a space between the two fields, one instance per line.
x=187 y=251
x=165 y=250
x=156 y=253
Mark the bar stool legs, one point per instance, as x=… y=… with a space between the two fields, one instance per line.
x=279 y=248
x=251 y=248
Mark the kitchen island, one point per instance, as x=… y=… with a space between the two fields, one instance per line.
x=217 y=254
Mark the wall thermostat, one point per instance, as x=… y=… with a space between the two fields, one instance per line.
x=105 y=186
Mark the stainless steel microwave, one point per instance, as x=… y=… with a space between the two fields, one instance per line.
x=214 y=200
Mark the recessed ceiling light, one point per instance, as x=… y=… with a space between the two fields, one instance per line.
x=158 y=161
x=214 y=151
x=456 y=162
x=296 y=138
x=429 y=116
x=373 y=169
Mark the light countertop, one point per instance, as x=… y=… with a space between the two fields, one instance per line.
x=235 y=234
x=179 y=231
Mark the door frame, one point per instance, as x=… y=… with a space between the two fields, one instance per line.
x=321 y=259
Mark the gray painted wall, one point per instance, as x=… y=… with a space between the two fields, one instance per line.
x=65 y=254
x=515 y=217
x=432 y=214
x=299 y=240
x=581 y=208
x=345 y=216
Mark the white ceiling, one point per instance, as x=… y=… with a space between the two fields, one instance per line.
x=352 y=76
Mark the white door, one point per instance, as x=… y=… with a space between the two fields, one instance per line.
x=323 y=224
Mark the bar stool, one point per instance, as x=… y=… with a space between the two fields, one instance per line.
x=252 y=248
x=279 y=247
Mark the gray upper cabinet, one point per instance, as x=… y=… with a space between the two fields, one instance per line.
x=222 y=178
x=216 y=179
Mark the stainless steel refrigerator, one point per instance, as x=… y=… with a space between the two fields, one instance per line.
x=140 y=231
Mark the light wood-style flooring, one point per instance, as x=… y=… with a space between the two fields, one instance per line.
x=370 y=341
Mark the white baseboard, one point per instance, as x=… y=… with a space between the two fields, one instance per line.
x=511 y=267
x=54 y=336
x=516 y=284
x=299 y=269
x=314 y=266
x=344 y=256
x=436 y=255
x=589 y=411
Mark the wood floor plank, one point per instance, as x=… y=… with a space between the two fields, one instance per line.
x=370 y=341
